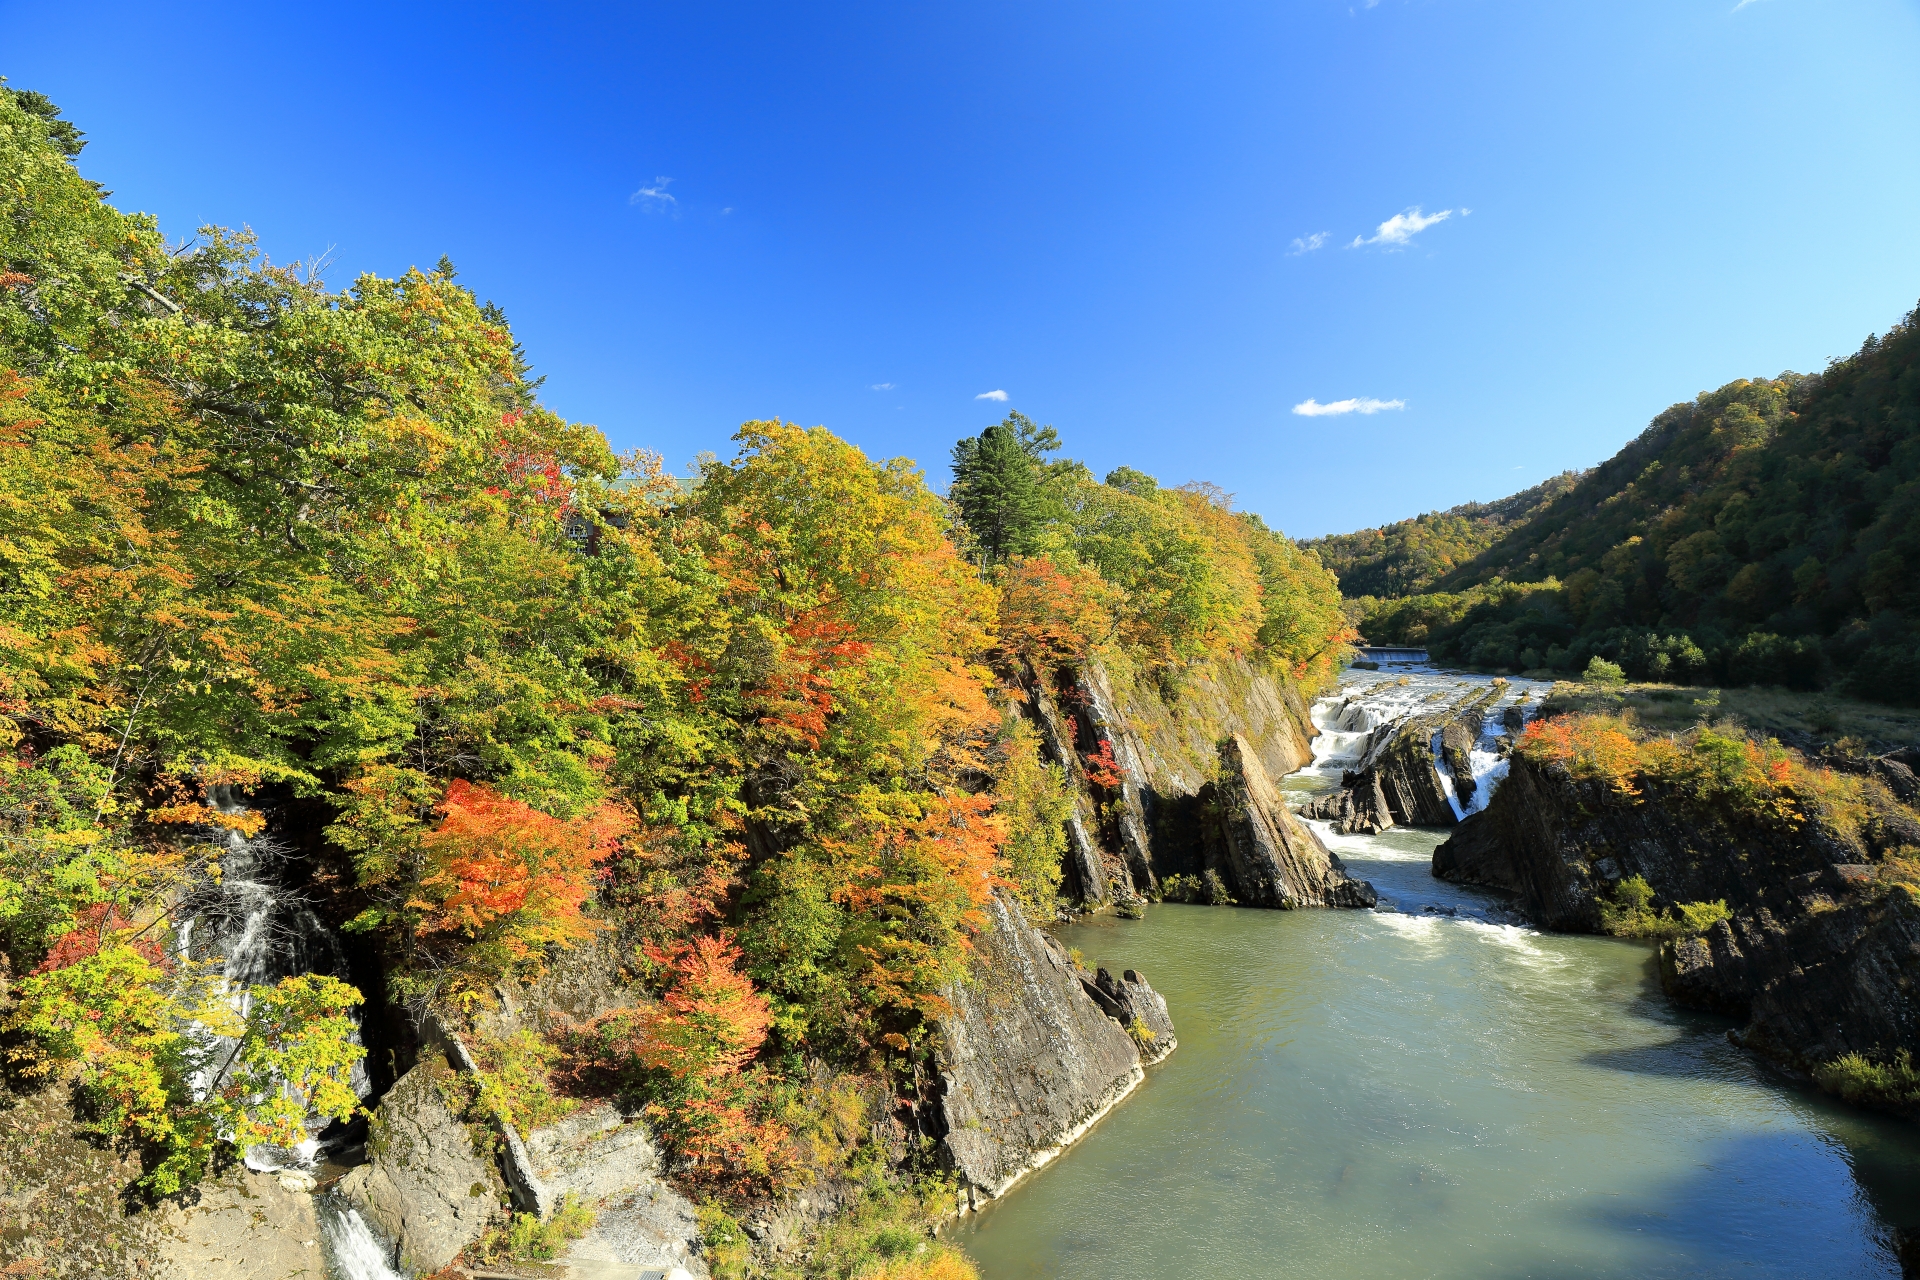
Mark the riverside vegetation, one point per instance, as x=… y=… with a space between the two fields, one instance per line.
x=1767 y=533
x=288 y=562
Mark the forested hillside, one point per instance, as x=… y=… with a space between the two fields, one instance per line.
x=272 y=553
x=1409 y=556
x=1764 y=533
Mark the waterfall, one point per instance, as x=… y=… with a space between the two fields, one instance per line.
x=1367 y=709
x=1488 y=764
x=262 y=932
x=353 y=1251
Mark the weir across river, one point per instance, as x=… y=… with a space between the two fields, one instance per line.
x=1389 y=653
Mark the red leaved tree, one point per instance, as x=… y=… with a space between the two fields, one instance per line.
x=506 y=880
x=694 y=1053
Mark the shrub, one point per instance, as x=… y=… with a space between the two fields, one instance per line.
x=1698 y=917
x=1629 y=913
x=1206 y=889
x=516 y=1075
x=1589 y=747
x=936 y=1262
x=1601 y=672
x=1858 y=1078
x=525 y=1238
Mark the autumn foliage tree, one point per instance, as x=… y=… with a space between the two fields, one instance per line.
x=504 y=881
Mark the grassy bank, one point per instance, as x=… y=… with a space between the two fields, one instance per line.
x=1807 y=720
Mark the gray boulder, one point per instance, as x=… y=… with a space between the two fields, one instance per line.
x=425 y=1188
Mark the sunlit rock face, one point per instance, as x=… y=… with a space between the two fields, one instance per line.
x=1029 y=1059
x=425 y=1189
x=1269 y=856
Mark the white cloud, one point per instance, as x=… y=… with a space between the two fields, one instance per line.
x=1360 y=404
x=882 y=386
x=655 y=196
x=991 y=395
x=1398 y=231
x=1307 y=244
x=724 y=212
x=1743 y=4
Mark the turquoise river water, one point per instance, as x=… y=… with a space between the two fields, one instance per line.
x=1407 y=1093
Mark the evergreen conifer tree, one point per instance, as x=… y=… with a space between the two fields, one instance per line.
x=1000 y=486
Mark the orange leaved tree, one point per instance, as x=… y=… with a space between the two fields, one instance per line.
x=503 y=881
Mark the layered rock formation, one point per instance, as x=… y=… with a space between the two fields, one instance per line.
x=1821 y=955
x=1268 y=856
x=1180 y=785
x=434 y=1183
x=1034 y=1051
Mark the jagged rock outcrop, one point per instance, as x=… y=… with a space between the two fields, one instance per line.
x=1267 y=856
x=1140 y=812
x=1821 y=955
x=1182 y=786
x=429 y=1186
x=1398 y=782
x=602 y=1157
x=1136 y=1006
x=1028 y=1059
x=1357 y=808
x=1830 y=981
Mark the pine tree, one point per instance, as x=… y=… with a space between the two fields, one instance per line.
x=1001 y=486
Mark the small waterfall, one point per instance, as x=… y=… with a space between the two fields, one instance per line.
x=1489 y=766
x=1367 y=708
x=263 y=932
x=353 y=1251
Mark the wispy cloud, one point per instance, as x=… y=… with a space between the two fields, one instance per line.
x=882 y=386
x=1743 y=4
x=1398 y=231
x=1307 y=244
x=724 y=212
x=655 y=197
x=991 y=395
x=1359 y=404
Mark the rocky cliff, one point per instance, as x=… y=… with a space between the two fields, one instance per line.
x=1820 y=955
x=1034 y=1051
x=1178 y=782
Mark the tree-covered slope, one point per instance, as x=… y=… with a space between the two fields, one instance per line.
x=283 y=559
x=1174 y=574
x=1409 y=556
x=1764 y=533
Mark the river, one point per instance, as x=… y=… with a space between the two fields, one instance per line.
x=1424 y=1091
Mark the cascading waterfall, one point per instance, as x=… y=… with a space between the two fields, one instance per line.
x=1488 y=764
x=1368 y=707
x=262 y=932
x=353 y=1250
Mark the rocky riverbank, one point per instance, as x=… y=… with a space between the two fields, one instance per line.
x=1036 y=1050
x=1799 y=917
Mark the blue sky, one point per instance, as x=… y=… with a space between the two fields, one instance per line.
x=869 y=215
